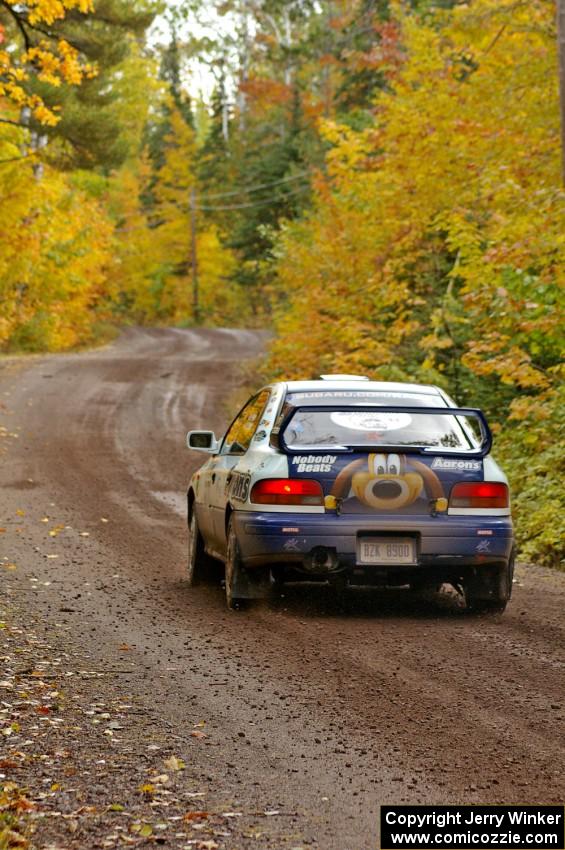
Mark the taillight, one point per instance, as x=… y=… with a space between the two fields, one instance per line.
x=287 y=491
x=484 y=494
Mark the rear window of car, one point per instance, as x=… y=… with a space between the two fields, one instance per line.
x=345 y=428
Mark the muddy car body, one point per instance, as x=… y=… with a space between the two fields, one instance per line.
x=356 y=483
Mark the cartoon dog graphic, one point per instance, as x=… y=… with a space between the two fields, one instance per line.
x=387 y=482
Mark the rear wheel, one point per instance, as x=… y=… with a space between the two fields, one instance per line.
x=200 y=567
x=233 y=568
x=499 y=595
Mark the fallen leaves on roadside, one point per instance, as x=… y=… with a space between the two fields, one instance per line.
x=142 y=829
x=11 y=839
x=13 y=800
x=174 y=763
x=147 y=788
x=190 y=816
x=41 y=703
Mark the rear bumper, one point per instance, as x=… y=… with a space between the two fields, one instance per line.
x=444 y=543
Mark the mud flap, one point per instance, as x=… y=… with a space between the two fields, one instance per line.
x=251 y=584
x=488 y=583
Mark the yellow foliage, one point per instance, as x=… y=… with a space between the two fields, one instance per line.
x=49 y=62
x=441 y=227
x=55 y=245
x=48 y=11
x=154 y=270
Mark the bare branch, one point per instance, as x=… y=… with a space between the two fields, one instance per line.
x=13 y=123
x=19 y=23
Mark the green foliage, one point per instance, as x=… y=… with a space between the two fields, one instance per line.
x=532 y=453
x=95 y=118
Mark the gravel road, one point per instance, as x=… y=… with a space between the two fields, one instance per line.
x=318 y=710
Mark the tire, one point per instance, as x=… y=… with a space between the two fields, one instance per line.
x=200 y=568
x=497 y=603
x=233 y=565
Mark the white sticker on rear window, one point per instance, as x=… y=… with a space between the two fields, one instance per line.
x=407 y=398
x=372 y=421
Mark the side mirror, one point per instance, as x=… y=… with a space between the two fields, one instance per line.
x=202 y=441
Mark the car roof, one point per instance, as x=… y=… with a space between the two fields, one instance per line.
x=361 y=385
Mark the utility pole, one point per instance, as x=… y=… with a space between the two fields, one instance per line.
x=194 y=258
x=244 y=50
x=561 y=55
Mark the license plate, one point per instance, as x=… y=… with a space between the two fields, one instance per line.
x=382 y=551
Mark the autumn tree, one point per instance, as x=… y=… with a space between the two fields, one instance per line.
x=159 y=284
x=30 y=54
x=434 y=250
x=56 y=243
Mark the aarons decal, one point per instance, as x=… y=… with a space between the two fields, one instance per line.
x=457 y=465
x=385 y=482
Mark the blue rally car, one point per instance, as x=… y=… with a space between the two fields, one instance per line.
x=352 y=482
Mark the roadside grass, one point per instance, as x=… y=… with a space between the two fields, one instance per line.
x=13 y=830
x=101 y=333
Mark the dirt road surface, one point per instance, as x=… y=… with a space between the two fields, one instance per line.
x=315 y=709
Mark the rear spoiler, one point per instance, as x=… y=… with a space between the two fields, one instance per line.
x=470 y=412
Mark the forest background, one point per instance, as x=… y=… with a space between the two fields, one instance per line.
x=378 y=181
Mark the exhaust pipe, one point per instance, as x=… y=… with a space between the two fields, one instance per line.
x=321 y=560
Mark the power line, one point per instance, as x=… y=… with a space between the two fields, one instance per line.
x=257 y=187
x=206 y=208
x=264 y=203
